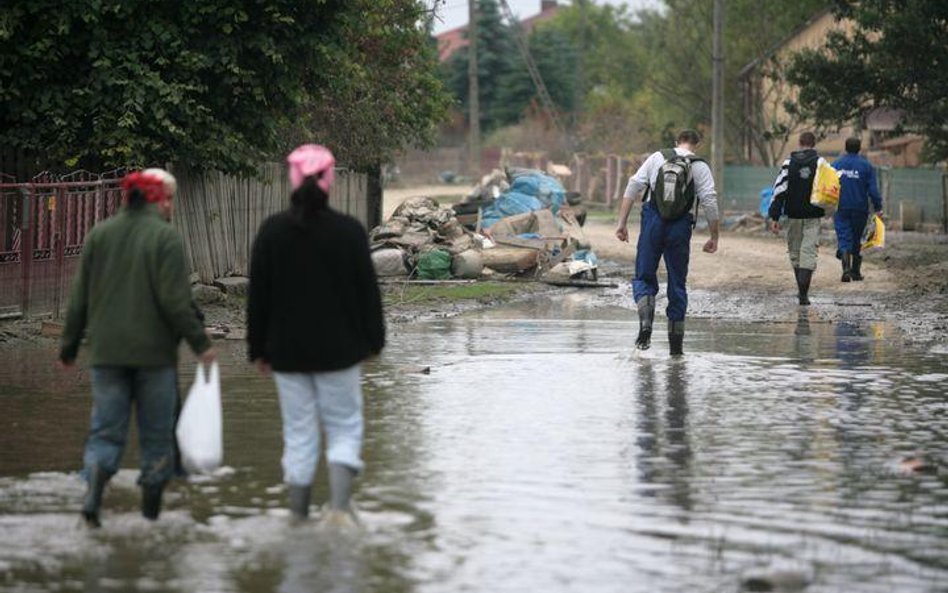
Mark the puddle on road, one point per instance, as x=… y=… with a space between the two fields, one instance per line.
x=540 y=453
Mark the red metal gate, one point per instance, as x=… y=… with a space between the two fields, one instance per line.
x=42 y=228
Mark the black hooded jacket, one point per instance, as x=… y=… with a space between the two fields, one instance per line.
x=794 y=185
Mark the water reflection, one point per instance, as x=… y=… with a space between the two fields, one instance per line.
x=665 y=461
x=541 y=453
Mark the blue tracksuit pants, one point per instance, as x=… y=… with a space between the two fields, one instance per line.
x=849 y=227
x=670 y=239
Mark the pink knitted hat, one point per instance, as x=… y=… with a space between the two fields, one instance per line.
x=311 y=159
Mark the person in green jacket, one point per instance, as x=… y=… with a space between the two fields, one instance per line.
x=132 y=299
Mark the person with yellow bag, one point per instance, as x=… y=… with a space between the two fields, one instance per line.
x=858 y=188
x=793 y=191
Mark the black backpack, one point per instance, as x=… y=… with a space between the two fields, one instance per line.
x=674 y=191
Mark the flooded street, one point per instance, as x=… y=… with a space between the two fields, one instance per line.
x=541 y=453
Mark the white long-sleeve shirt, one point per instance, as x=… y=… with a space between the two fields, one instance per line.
x=647 y=175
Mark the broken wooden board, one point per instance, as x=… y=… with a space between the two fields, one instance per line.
x=581 y=283
x=530 y=243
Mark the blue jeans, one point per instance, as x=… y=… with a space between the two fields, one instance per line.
x=307 y=400
x=850 y=225
x=153 y=391
x=671 y=240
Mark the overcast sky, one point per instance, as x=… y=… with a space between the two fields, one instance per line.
x=453 y=13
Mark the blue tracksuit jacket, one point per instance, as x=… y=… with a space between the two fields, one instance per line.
x=857 y=180
x=858 y=185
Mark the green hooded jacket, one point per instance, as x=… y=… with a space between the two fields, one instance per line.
x=131 y=295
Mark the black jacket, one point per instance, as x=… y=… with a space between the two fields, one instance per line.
x=794 y=185
x=313 y=303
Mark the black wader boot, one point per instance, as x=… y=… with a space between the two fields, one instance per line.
x=847 y=259
x=676 y=338
x=857 y=267
x=93 y=498
x=298 y=501
x=646 y=307
x=151 y=500
x=803 y=284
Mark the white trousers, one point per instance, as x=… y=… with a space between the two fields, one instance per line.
x=310 y=401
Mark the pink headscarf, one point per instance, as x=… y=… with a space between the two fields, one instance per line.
x=311 y=159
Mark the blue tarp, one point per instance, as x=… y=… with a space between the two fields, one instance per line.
x=530 y=190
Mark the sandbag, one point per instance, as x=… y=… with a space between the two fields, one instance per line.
x=200 y=426
x=434 y=265
x=389 y=262
x=467 y=264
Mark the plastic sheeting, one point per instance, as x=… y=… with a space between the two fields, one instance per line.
x=530 y=190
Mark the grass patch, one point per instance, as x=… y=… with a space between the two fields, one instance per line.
x=413 y=294
x=600 y=215
x=446 y=199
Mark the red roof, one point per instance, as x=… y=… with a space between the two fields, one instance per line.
x=454 y=39
x=450 y=42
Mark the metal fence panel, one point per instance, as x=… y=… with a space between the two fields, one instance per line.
x=42 y=229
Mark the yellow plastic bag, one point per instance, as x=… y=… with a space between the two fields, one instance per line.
x=874 y=235
x=825 y=193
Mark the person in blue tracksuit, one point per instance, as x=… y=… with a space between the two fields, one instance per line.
x=857 y=180
x=669 y=239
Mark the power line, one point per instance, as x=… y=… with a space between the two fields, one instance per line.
x=535 y=73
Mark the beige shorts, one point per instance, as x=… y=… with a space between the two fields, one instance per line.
x=803 y=240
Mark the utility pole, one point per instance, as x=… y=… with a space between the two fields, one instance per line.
x=580 y=63
x=534 y=72
x=474 y=134
x=717 y=99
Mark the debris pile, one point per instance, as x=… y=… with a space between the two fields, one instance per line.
x=517 y=222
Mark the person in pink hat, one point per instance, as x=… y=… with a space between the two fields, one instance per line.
x=314 y=314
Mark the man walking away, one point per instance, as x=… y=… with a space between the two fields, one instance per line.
x=857 y=180
x=133 y=298
x=672 y=180
x=792 y=191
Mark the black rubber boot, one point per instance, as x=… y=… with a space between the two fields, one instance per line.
x=151 y=501
x=803 y=284
x=646 y=307
x=676 y=338
x=857 y=267
x=93 y=498
x=847 y=260
x=298 y=497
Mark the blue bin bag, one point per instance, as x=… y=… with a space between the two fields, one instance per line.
x=766 y=197
x=587 y=256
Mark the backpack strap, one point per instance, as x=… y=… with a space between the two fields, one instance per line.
x=694 y=219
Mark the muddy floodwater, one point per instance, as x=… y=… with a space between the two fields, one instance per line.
x=540 y=453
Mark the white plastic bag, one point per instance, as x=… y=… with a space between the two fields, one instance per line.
x=199 y=432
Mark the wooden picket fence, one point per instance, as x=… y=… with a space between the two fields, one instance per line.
x=218 y=215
